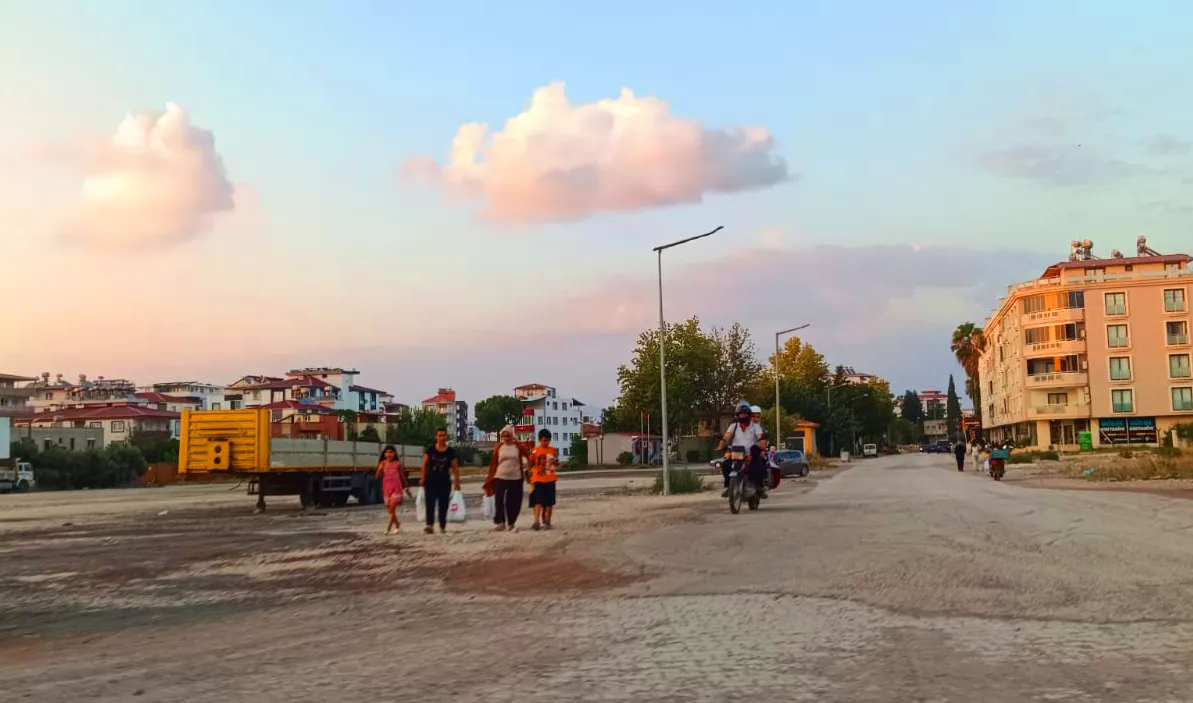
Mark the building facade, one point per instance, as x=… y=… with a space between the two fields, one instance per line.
x=454 y=412
x=14 y=394
x=543 y=407
x=1093 y=345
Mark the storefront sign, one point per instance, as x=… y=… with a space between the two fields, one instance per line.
x=524 y=429
x=1127 y=430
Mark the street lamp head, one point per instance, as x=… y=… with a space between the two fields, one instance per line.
x=661 y=247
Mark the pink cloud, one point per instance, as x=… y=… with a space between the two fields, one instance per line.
x=157 y=182
x=559 y=161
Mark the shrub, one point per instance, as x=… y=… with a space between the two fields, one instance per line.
x=625 y=458
x=468 y=454
x=1167 y=451
x=114 y=466
x=484 y=458
x=369 y=434
x=682 y=481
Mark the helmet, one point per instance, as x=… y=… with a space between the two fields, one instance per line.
x=743 y=408
x=755 y=410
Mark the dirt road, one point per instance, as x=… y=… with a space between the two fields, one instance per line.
x=895 y=580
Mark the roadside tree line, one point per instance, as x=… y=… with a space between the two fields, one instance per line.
x=711 y=370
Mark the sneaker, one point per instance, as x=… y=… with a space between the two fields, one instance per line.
x=499 y=528
x=443 y=530
x=546 y=526
x=536 y=527
x=725 y=494
x=429 y=530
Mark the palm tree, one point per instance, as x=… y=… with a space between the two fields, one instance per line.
x=969 y=342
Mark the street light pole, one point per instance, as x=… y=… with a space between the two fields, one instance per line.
x=778 y=408
x=663 y=356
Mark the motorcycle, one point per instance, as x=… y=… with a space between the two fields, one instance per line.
x=998 y=459
x=741 y=489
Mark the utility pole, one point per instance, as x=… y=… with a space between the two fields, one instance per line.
x=663 y=355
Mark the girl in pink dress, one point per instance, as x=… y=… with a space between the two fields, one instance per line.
x=393 y=485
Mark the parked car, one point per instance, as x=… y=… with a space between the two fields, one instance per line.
x=792 y=462
x=938 y=447
x=870 y=450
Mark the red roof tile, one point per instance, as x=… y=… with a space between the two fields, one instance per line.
x=365 y=389
x=445 y=397
x=166 y=398
x=295 y=405
x=107 y=412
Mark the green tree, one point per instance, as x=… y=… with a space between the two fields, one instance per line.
x=369 y=434
x=913 y=408
x=414 y=428
x=617 y=418
x=968 y=344
x=953 y=410
x=691 y=363
x=578 y=451
x=497 y=411
x=734 y=369
x=155 y=448
x=904 y=431
x=349 y=418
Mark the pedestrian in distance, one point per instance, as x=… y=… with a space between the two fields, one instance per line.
x=977 y=455
x=507 y=472
x=440 y=476
x=544 y=467
x=959 y=452
x=393 y=485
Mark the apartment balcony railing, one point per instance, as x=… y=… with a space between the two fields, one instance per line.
x=1045 y=412
x=1058 y=379
x=1177 y=339
x=1061 y=347
x=1053 y=316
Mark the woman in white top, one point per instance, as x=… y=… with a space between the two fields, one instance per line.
x=507 y=472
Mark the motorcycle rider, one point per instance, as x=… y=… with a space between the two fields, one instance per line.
x=745 y=433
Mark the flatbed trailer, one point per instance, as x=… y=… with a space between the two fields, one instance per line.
x=321 y=472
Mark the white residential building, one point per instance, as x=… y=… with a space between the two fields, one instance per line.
x=546 y=408
x=209 y=395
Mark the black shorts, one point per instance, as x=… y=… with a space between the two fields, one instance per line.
x=543 y=494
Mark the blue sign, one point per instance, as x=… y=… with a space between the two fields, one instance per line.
x=1127 y=430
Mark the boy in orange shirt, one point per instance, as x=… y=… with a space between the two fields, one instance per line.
x=544 y=464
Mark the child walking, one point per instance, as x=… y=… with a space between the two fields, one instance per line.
x=544 y=467
x=393 y=486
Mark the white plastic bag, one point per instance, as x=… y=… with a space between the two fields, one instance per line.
x=489 y=507
x=455 y=509
x=420 y=501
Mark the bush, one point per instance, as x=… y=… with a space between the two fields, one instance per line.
x=369 y=435
x=682 y=481
x=578 y=451
x=625 y=458
x=156 y=450
x=1167 y=451
x=115 y=466
x=468 y=454
x=484 y=458
x=1033 y=456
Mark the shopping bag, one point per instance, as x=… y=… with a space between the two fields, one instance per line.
x=489 y=507
x=455 y=509
x=420 y=501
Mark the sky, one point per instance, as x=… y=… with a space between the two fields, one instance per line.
x=467 y=194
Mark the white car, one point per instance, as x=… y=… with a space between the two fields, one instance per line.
x=870 y=450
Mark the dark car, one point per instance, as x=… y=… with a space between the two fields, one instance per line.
x=792 y=462
x=937 y=448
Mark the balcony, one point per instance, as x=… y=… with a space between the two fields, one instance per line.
x=1067 y=379
x=1057 y=412
x=1178 y=340
x=1054 y=316
x=1061 y=347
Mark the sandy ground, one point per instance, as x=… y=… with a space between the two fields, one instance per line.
x=894 y=580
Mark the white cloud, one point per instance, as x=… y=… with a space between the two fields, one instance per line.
x=158 y=181
x=559 y=161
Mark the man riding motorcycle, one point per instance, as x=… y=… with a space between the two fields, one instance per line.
x=745 y=433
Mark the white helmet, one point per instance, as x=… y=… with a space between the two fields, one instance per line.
x=755 y=410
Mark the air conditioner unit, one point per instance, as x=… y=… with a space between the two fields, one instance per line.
x=1084 y=365
x=1082 y=334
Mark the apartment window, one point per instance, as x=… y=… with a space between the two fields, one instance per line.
x=1058 y=398
x=1120 y=368
x=1034 y=304
x=98 y=425
x=1116 y=303
x=1077 y=299
x=555 y=406
x=215 y=406
x=565 y=451
x=565 y=405
x=117 y=426
x=1122 y=401
x=1178 y=366
x=91 y=443
x=47 y=445
x=1174 y=300
x=1097 y=272
x=1182 y=398
x=554 y=436
x=1178 y=332
x=1171 y=268
x=72 y=444
x=1116 y=336
x=1036 y=335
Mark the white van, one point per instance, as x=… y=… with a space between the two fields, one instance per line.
x=869 y=450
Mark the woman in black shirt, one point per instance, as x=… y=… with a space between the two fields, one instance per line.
x=441 y=473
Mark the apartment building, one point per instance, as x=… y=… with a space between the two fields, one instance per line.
x=14 y=399
x=1097 y=345
x=545 y=408
x=454 y=412
x=208 y=395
